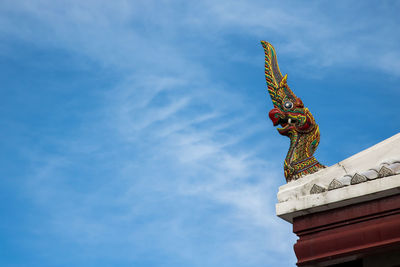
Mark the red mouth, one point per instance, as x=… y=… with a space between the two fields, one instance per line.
x=279 y=118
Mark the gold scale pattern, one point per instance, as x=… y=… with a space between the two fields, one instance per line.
x=296 y=120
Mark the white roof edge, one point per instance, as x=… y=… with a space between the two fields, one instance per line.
x=295 y=199
x=370 y=190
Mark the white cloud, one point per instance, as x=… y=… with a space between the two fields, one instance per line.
x=148 y=35
x=147 y=187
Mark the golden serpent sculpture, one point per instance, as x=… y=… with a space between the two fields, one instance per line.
x=296 y=121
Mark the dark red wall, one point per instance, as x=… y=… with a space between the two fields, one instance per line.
x=349 y=232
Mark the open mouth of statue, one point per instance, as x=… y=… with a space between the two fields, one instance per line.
x=284 y=122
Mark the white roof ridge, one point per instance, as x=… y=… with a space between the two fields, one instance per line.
x=374 y=163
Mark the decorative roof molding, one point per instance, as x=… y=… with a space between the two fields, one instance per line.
x=385 y=170
x=335 y=184
x=370 y=174
x=316 y=189
x=357 y=179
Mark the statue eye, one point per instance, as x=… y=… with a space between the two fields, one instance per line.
x=288 y=105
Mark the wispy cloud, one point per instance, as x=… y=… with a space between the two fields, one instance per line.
x=179 y=171
x=316 y=35
x=150 y=35
x=151 y=174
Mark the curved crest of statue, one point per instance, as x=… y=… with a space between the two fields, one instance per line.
x=296 y=121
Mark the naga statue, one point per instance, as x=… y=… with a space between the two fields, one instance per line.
x=296 y=121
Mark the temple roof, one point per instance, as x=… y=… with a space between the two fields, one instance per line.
x=370 y=174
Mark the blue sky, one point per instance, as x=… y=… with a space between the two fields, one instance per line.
x=135 y=133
